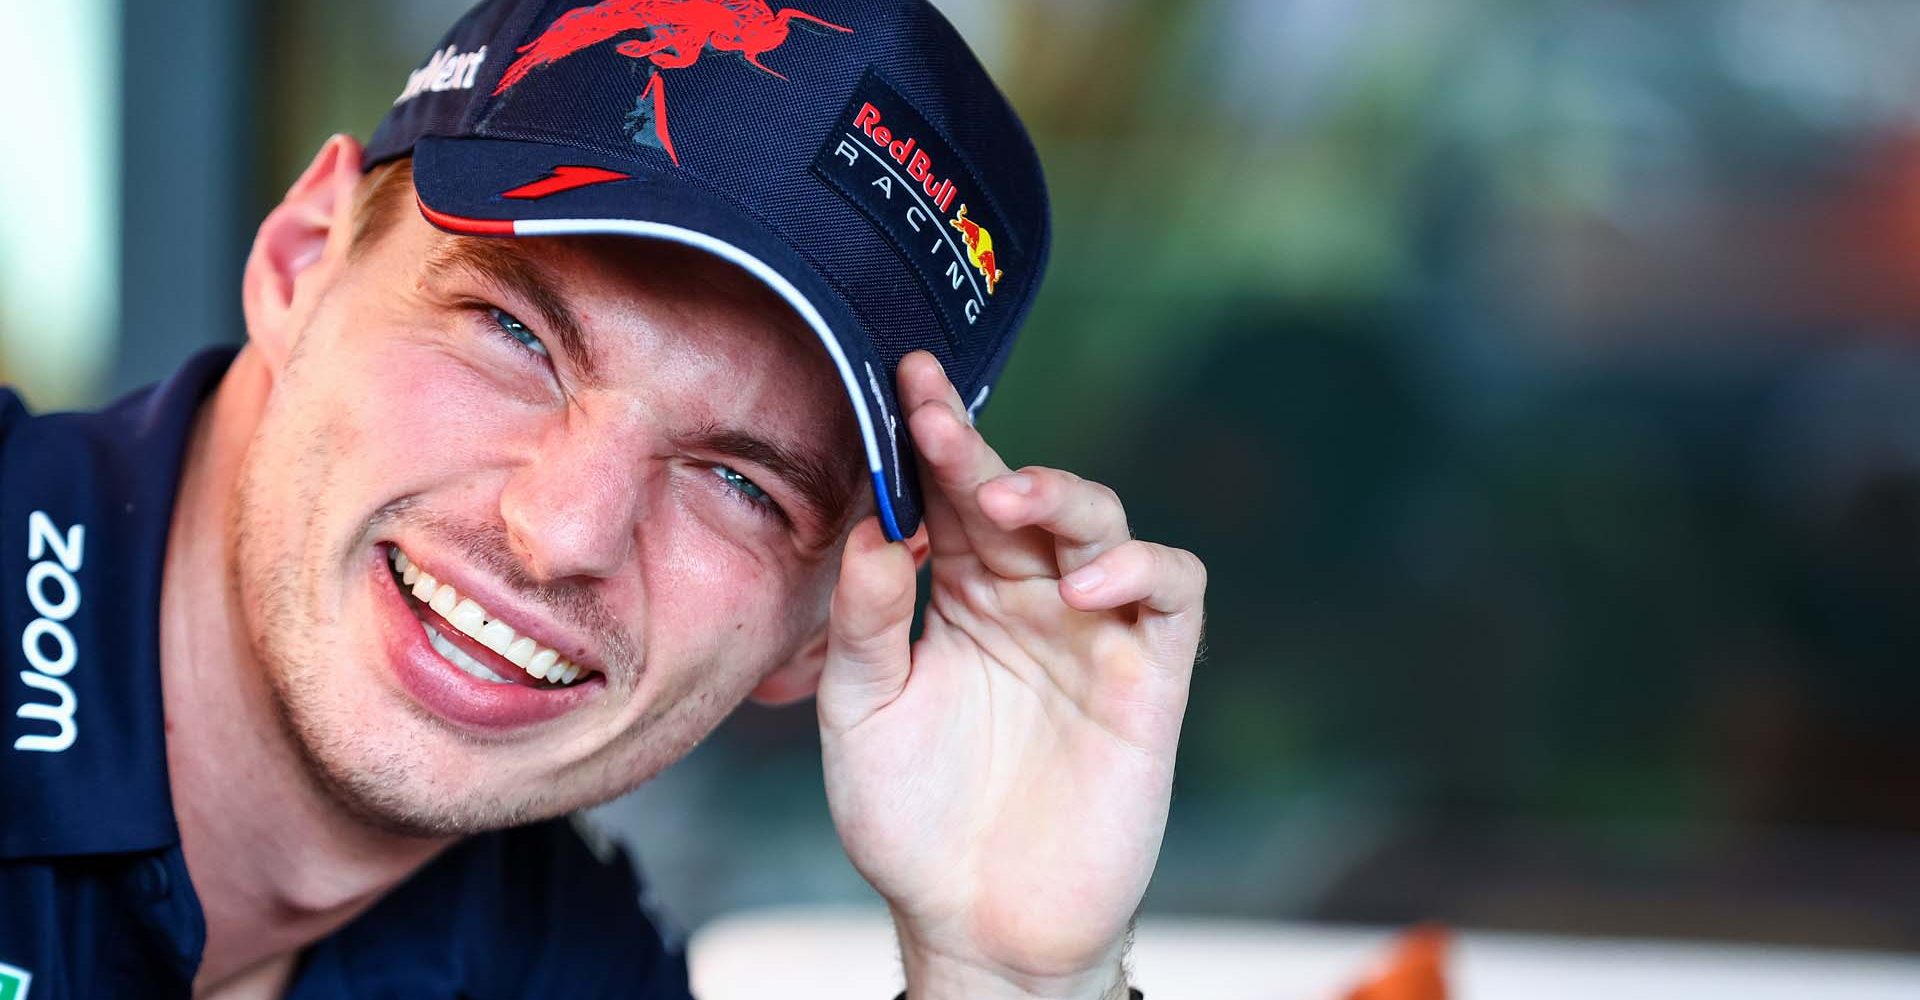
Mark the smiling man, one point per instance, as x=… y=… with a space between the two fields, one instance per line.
x=558 y=433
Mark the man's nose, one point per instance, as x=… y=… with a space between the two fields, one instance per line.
x=573 y=511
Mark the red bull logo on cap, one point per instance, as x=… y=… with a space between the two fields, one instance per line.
x=677 y=32
x=924 y=196
x=906 y=151
x=979 y=248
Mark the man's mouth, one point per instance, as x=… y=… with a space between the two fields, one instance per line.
x=453 y=621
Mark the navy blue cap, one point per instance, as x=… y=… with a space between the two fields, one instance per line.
x=851 y=154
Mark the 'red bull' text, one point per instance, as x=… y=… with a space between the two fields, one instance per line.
x=903 y=151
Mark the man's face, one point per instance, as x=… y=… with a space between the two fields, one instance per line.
x=630 y=457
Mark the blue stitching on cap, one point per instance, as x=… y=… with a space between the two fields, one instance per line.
x=886 y=508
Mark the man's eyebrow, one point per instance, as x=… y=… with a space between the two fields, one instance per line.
x=826 y=485
x=502 y=263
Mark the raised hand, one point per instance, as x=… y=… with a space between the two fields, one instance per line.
x=1004 y=782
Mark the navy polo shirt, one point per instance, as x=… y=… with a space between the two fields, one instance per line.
x=95 y=899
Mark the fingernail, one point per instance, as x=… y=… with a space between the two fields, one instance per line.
x=1087 y=578
x=1019 y=482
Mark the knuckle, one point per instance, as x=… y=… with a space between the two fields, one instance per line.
x=1046 y=482
x=1182 y=567
x=1100 y=505
x=1138 y=555
x=925 y=419
x=1057 y=485
x=1196 y=567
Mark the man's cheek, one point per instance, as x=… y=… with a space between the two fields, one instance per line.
x=712 y=596
x=421 y=420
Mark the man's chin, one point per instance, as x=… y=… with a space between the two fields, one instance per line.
x=395 y=769
x=392 y=793
x=373 y=801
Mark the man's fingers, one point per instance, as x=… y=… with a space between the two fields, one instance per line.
x=1085 y=518
x=922 y=380
x=868 y=653
x=956 y=460
x=1169 y=583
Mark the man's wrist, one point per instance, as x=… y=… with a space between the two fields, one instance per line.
x=935 y=977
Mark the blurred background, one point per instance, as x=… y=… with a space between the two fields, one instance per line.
x=1540 y=380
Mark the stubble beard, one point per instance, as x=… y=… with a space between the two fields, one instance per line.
x=373 y=781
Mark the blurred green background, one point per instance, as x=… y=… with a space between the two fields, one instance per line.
x=1539 y=380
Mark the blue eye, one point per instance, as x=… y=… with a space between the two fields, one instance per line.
x=746 y=487
x=517 y=331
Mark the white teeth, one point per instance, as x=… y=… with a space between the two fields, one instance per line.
x=496 y=636
x=469 y=617
x=455 y=656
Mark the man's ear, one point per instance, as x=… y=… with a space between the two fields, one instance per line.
x=798 y=678
x=920 y=545
x=301 y=245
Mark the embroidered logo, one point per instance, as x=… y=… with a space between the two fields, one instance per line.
x=677 y=33
x=885 y=158
x=979 y=248
x=449 y=69
x=563 y=179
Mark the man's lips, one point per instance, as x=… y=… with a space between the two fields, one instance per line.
x=454 y=682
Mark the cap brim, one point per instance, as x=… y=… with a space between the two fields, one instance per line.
x=461 y=184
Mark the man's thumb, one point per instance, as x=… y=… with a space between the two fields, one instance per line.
x=867 y=629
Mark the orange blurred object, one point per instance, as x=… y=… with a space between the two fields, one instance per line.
x=1416 y=971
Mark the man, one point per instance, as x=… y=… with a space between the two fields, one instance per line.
x=316 y=640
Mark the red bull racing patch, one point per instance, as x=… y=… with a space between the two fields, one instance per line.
x=908 y=180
